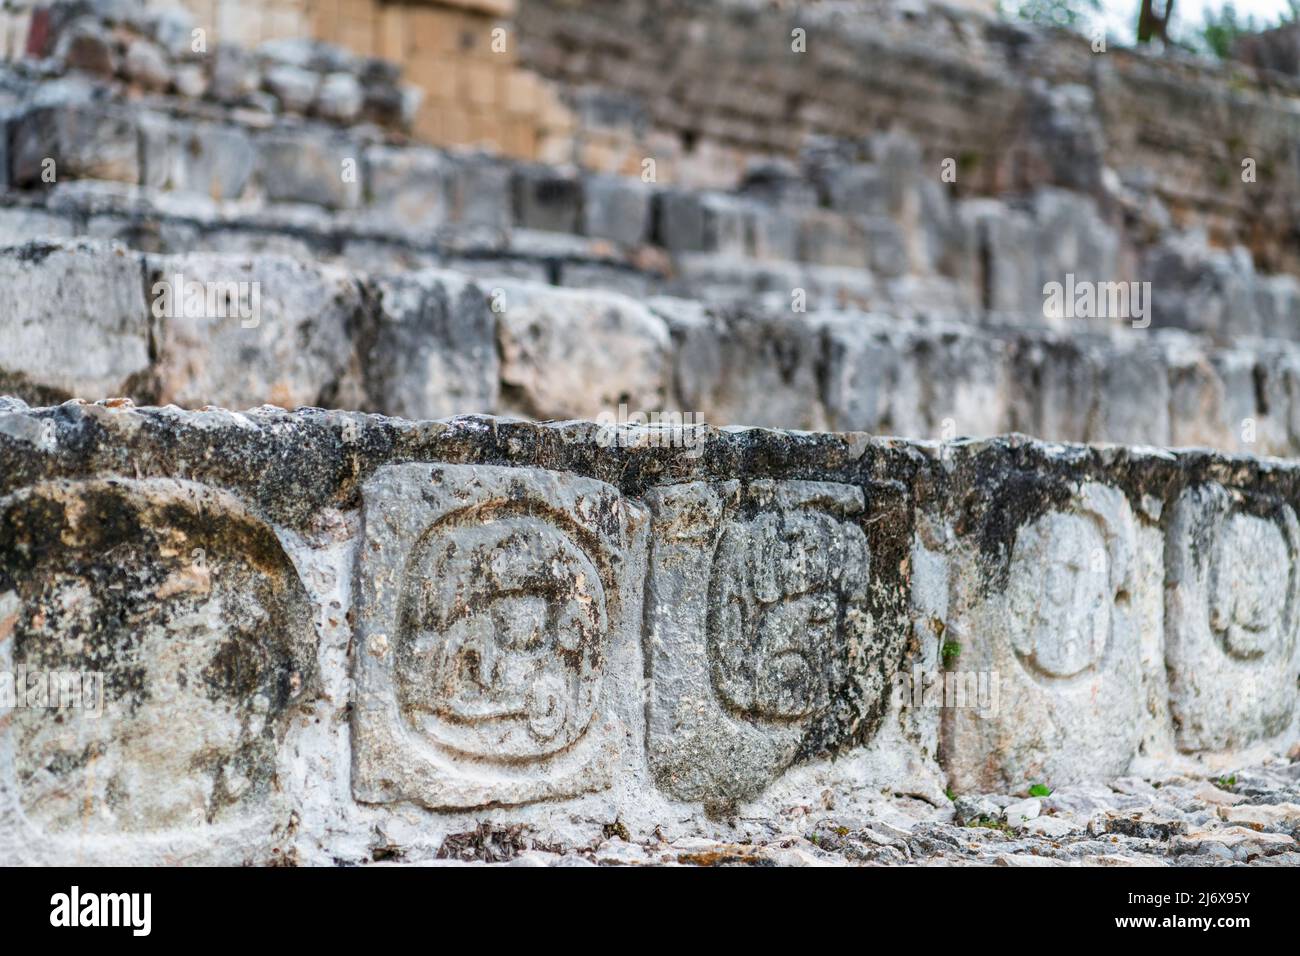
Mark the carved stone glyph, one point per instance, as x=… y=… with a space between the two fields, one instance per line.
x=491 y=602
x=763 y=642
x=198 y=627
x=1230 y=613
x=1058 y=633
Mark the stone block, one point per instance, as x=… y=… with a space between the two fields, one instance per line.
x=407 y=189
x=307 y=168
x=497 y=619
x=1054 y=619
x=84 y=141
x=616 y=208
x=547 y=199
x=702 y=222
x=481 y=192
x=741 y=368
x=434 y=347
x=1230 y=617
x=571 y=353
x=203 y=159
x=828 y=239
x=194 y=641
x=236 y=332
x=75 y=321
x=1133 y=398
x=773 y=631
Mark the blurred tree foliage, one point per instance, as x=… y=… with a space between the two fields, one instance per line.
x=1221 y=30
x=1051 y=13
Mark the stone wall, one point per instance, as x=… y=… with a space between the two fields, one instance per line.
x=683 y=671
x=430 y=342
x=706 y=89
x=404 y=629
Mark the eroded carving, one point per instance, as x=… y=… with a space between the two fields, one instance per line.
x=1062 y=584
x=1230 y=617
x=769 y=637
x=1063 y=638
x=1251 y=606
x=489 y=603
x=787 y=594
x=502 y=637
x=195 y=617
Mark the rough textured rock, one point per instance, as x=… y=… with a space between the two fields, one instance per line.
x=1060 y=626
x=1231 y=620
x=46 y=291
x=773 y=631
x=233 y=332
x=495 y=608
x=570 y=354
x=545 y=637
x=191 y=614
x=433 y=352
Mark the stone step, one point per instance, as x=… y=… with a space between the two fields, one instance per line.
x=89 y=319
x=376 y=633
x=865 y=228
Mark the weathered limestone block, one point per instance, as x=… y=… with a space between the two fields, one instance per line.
x=737 y=368
x=1055 y=382
x=871 y=377
x=965 y=384
x=433 y=353
x=829 y=239
x=1056 y=626
x=83 y=141
x=295 y=88
x=195 y=641
x=299 y=167
x=1202 y=289
x=497 y=621
x=616 y=208
x=407 y=188
x=1230 y=616
x=702 y=222
x=481 y=192
x=1133 y=398
x=74 y=320
x=1072 y=239
x=547 y=199
x=569 y=353
x=1197 y=401
x=1009 y=245
x=773 y=630
x=206 y=159
x=236 y=332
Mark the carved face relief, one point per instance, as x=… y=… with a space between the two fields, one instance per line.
x=1250 y=584
x=1060 y=601
x=788 y=594
x=1231 y=588
x=501 y=643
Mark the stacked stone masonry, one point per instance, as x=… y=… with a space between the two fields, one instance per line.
x=406 y=628
x=925 y=316
x=386 y=632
